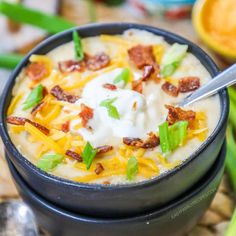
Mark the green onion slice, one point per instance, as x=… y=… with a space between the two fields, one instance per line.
x=78 y=46
x=88 y=155
x=19 y=13
x=34 y=97
x=172 y=59
x=49 y=161
x=123 y=76
x=112 y=110
x=173 y=136
x=132 y=168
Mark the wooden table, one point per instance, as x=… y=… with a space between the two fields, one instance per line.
x=216 y=218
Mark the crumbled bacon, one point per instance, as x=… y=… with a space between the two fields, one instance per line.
x=177 y=114
x=36 y=71
x=170 y=89
x=147 y=72
x=137 y=85
x=14 y=120
x=151 y=142
x=106 y=182
x=110 y=86
x=188 y=84
x=99 y=168
x=97 y=61
x=71 y=66
x=141 y=55
x=86 y=114
x=74 y=155
x=65 y=127
x=37 y=108
x=61 y=95
x=103 y=149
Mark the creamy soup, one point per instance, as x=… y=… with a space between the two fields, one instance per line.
x=104 y=109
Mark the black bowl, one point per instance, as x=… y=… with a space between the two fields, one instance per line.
x=177 y=218
x=120 y=200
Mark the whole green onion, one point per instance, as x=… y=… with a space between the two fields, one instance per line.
x=10 y=61
x=19 y=13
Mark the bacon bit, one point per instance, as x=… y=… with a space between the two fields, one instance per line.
x=148 y=70
x=36 y=71
x=65 y=127
x=97 y=61
x=141 y=55
x=151 y=142
x=71 y=66
x=106 y=182
x=188 y=84
x=170 y=89
x=110 y=86
x=74 y=155
x=177 y=114
x=37 y=108
x=45 y=91
x=14 y=120
x=99 y=168
x=61 y=95
x=86 y=114
x=137 y=85
x=103 y=149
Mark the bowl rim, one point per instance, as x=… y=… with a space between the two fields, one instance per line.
x=217 y=167
x=219 y=48
x=121 y=27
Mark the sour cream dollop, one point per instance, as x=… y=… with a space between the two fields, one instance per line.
x=138 y=113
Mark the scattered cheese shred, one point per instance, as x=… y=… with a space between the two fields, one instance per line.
x=47 y=141
x=14 y=103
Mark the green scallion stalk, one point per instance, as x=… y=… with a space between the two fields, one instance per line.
x=19 y=13
x=10 y=61
x=79 y=53
x=49 y=161
x=88 y=155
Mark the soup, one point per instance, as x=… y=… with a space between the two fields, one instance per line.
x=104 y=109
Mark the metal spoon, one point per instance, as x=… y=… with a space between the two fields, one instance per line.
x=16 y=218
x=223 y=80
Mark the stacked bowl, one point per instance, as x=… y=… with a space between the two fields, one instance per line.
x=169 y=204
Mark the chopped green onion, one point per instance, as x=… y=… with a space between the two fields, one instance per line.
x=169 y=70
x=173 y=136
x=177 y=134
x=172 y=59
x=49 y=161
x=112 y=110
x=10 y=61
x=123 y=76
x=78 y=46
x=132 y=168
x=34 y=97
x=19 y=13
x=164 y=137
x=232 y=226
x=88 y=155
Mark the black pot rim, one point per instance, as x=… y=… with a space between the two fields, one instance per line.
x=59 y=180
x=203 y=184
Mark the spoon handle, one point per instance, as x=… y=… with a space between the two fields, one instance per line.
x=224 y=79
